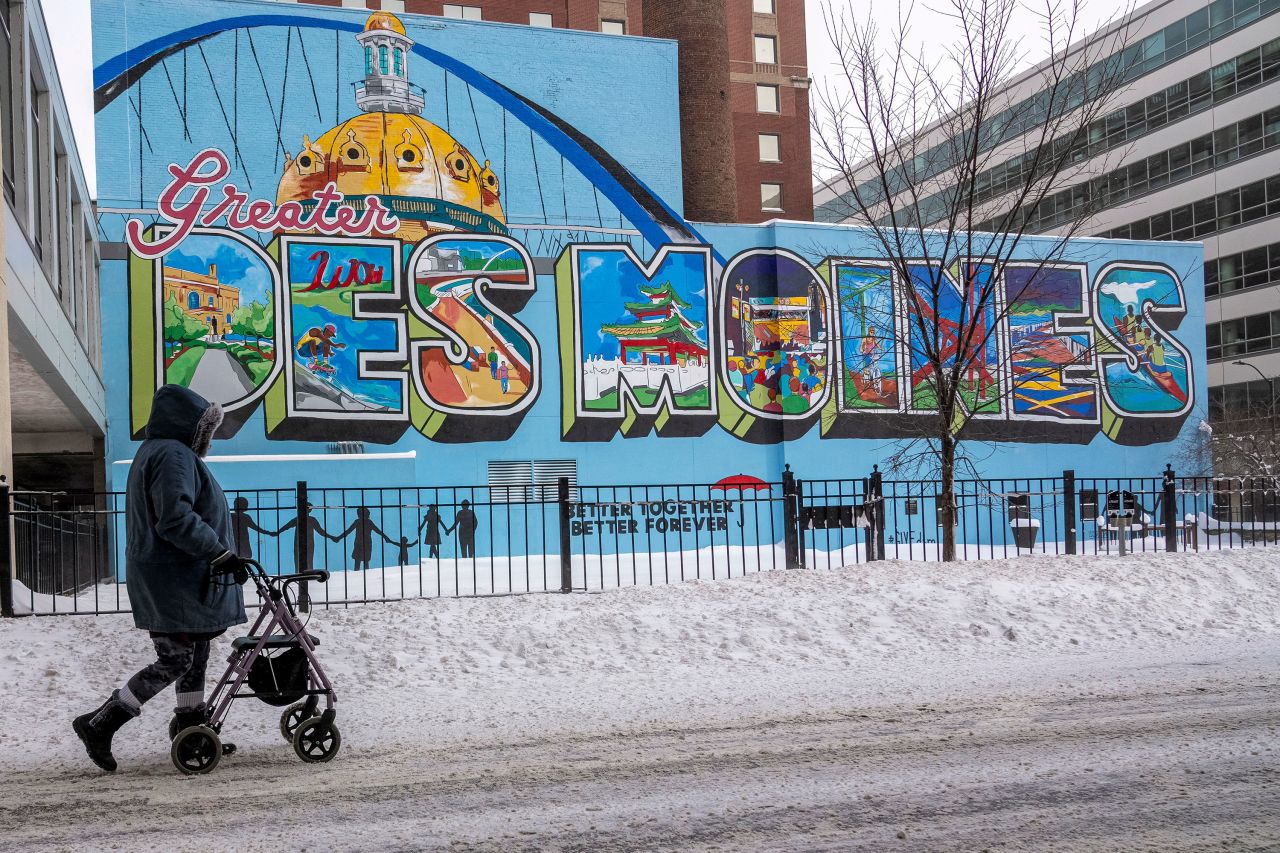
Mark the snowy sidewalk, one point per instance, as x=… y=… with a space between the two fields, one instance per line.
x=425 y=683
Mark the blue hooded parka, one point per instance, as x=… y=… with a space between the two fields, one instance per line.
x=177 y=522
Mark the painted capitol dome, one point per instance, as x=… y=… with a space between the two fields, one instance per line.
x=415 y=168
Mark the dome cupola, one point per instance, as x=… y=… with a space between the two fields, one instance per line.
x=386 y=87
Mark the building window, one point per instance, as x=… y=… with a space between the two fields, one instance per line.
x=1227 y=210
x=6 y=104
x=770 y=150
x=1244 y=335
x=766 y=50
x=368 y=59
x=382 y=59
x=398 y=63
x=210 y=301
x=614 y=28
x=766 y=98
x=39 y=180
x=1242 y=271
x=540 y=19
x=193 y=300
x=469 y=13
x=762 y=7
x=771 y=196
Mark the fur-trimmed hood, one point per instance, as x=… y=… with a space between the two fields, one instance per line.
x=183 y=415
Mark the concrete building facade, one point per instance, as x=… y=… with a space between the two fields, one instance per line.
x=53 y=411
x=1191 y=152
x=744 y=91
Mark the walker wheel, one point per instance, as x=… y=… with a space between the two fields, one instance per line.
x=292 y=718
x=316 y=742
x=196 y=750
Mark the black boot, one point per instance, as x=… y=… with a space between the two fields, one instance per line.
x=97 y=727
x=198 y=716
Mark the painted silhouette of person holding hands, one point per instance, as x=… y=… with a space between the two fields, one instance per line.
x=304 y=559
x=403 y=547
x=429 y=530
x=241 y=524
x=364 y=528
x=465 y=522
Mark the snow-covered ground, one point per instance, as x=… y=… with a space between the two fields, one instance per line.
x=645 y=718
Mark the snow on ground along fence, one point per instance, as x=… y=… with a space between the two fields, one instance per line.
x=385 y=544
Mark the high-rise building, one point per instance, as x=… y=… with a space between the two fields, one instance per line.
x=53 y=409
x=1192 y=152
x=744 y=88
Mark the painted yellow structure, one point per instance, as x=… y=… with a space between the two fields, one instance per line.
x=419 y=172
x=203 y=297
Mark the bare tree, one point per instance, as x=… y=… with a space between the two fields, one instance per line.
x=950 y=153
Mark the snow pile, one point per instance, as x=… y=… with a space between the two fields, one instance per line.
x=444 y=670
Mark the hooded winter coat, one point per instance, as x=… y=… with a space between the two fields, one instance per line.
x=177 y=522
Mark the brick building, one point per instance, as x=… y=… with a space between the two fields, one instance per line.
x=744 y=89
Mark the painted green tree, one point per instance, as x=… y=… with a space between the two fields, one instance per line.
x=180 y=328
x=255 y=320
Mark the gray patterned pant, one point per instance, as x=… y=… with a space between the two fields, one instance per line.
x=179 y=657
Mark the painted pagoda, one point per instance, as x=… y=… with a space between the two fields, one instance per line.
x=661 y=333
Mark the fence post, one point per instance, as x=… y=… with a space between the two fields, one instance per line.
x=1169 y=505
x=566 y=541
x=302 y=544
x=875 y=503
x=6 y=548
x=1069 y=510
x=791 y=518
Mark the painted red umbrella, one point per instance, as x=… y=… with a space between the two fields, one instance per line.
x=742 y=482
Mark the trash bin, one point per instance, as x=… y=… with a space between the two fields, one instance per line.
x=1025 y=528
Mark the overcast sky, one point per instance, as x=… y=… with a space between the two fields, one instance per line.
x=72 y=44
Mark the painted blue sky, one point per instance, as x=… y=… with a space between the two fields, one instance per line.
x=610 y=279
x=237 y=265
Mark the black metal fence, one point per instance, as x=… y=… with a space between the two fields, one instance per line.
x=386 y=544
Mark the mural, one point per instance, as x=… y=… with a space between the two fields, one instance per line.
x=380 y=229
x=777 y=334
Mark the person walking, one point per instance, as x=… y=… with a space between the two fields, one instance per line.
x=183 y=573
x=504 y=376
x=492 y=358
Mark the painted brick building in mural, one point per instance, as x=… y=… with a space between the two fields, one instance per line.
x=744 y=91
x=468 y=262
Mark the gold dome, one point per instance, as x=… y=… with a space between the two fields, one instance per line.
x=409 y=162
x=384 y=21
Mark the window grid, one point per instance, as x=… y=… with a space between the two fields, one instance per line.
x=1245 y=138
x=1242 y=400
x=613 y=28
x=1246 y=270
x=6 y=105
x=763 y=7
x=1250 y=335
x=469 y=13
x=1138 y=59
x=1185 y=98
x=1227 y=210
x=540 y=19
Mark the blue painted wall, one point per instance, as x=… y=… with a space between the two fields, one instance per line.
x=583 y=133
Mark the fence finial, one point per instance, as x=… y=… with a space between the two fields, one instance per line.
x=786 y=467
